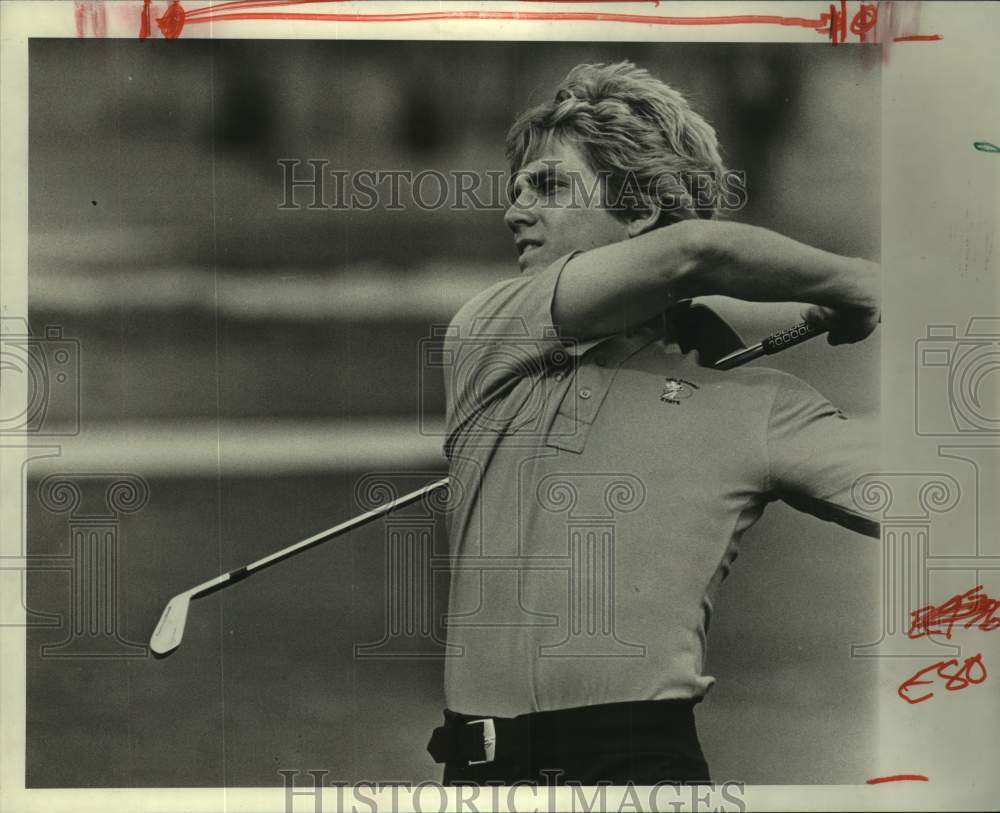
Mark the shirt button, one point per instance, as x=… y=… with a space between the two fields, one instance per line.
x=559 y=376
x=585 y=393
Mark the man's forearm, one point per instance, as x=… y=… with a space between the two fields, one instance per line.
x=751 y=263
x=615 y=287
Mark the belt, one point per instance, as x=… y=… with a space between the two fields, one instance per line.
x=645 y=725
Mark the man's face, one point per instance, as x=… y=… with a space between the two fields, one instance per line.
x=557 y=208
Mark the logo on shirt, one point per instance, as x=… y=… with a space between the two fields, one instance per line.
x=676 y=390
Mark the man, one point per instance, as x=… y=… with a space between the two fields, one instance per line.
x=603 y=470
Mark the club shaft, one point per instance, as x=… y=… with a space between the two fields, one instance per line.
x=329 y=533
x=740 y=357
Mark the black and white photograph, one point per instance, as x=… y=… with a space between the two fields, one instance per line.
x=472 y=413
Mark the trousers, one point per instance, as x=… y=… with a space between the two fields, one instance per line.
x=643 y=742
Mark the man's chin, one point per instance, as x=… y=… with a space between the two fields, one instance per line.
x=532 y=261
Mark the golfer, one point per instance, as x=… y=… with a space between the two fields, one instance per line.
x=603 y=470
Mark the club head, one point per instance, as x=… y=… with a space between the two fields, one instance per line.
x=170 y=629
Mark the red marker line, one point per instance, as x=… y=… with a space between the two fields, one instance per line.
x=900 y=777
x=257 y=3
x=234 y=5
x=832 y=23
x=579 y=16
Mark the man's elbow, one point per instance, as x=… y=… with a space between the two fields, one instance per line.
x=695 y=249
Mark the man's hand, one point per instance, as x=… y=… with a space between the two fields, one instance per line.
x=859 y=315
x=845 y=326
x=757 y=265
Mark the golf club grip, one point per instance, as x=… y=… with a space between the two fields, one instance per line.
x=332 y=533
x=788 y=337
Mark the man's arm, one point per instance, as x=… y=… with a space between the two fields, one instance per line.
x=816 y=454
x=615 y=287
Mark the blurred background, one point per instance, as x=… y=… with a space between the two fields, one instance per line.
x=251 y=365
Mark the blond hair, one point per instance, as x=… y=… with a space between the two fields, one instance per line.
x=637 y=133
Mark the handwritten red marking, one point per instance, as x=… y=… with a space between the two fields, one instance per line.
x=900 y=22
x=838 y=22
x=832 y=23
x=172 y=22
x=144 y=27
x=954 y=681
x=234 y=5
x=976 y=609
x=90 y=14
x=236 y=10
x=899 y=777
x=572 y=16
x=231 y=4
x=864 y=21
x=100 y=19
x=238 y=4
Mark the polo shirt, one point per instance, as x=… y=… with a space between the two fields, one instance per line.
x=599 y=493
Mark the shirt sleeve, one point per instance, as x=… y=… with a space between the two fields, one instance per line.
x=816 y=454
x=499 y=345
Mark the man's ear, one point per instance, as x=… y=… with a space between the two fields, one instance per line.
x=643 y=222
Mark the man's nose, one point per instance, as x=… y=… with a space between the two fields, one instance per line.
x=521 y=211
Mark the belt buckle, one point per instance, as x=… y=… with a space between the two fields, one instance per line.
x=489 y=740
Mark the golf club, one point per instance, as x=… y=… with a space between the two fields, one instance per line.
x=170 y=629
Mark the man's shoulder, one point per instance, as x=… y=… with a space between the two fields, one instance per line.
x=770 y=383
x=744 y=396
x=770 y=378
x=479 y=305
x=792 y=399
x=514 y=308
